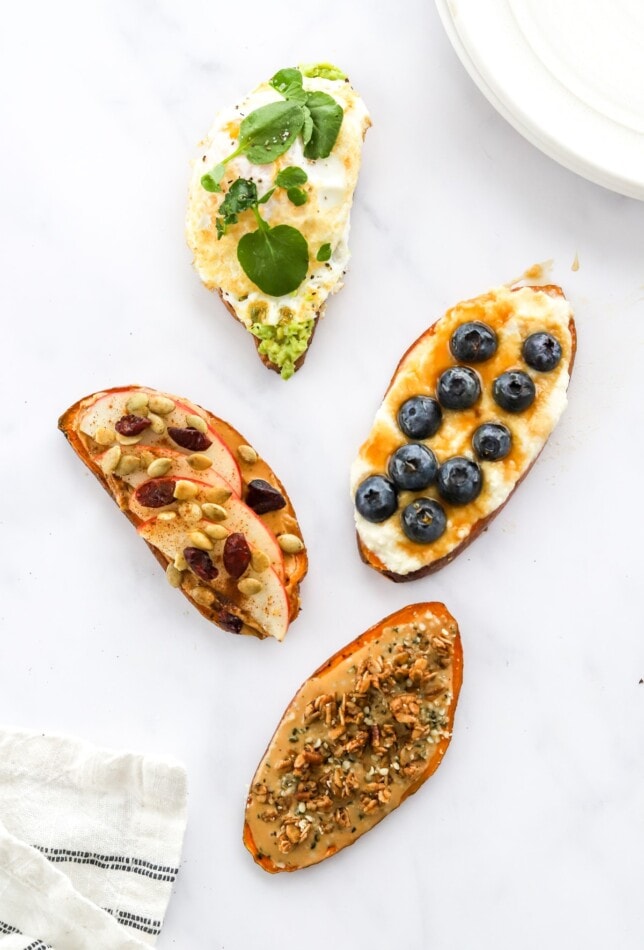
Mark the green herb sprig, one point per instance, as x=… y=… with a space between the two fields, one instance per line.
x=275 y=259
x=268 y=132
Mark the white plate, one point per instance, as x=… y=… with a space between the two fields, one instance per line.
x=567 y=74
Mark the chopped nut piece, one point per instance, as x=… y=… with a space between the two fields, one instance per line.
x=180 y=562
x=127 y=465
x=167 y=516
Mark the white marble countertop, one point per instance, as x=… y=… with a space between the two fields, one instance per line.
x=530 y=834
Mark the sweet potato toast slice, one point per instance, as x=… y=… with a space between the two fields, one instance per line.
x=189 y=480
x=364 y=732
x=418 y=517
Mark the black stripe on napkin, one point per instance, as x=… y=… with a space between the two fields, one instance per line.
x=146 y=924
x=111 y=862
x=36 y=945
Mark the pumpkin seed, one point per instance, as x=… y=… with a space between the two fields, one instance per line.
x=104 y=436
x=173 y=576
x=259 y=561
x=137 y=402
x=190 y=511
x=158 y=425
x=249 y=586
x=127 y=465
x=290 y=543
x=159 y=467
x=196 y=422
x=215 y=531
x=214 y=512
x=203 y=596
x=185 y=490
x=200 y=540
x=218 y=496
x=199 y=461
x=111 y=459
x=128 y=439
x=161 y=405
x=247 y=454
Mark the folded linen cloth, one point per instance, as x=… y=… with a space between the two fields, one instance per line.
x=90 y=843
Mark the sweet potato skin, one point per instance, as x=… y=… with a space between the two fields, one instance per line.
x=403 y=616
x=482 y=524
x=232 y=438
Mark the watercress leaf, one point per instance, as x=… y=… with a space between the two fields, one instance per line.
x=264 y=198
x=275 y=259
x=307 y=128
x=288 y=82
x=297 y=196
x=327 y=117
x=210 y=181
x=324 y=253
x=291 y=176
x=241 y=195
x=270 y=131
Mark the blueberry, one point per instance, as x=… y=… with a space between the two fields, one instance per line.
x=458 y=388
x=413 y=467
x=376 y=498
x=459 y=480
x=542 y=352
x=420 y=417
x=473 y=342
x=492 y=441
x=514 y=391
x=423 y=520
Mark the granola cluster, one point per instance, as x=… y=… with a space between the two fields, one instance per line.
x=359 y=749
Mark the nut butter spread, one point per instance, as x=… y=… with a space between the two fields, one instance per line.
x=362 y=733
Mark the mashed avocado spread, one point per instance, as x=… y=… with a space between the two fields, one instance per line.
x=283 y=344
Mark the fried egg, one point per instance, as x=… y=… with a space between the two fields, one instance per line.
x=323 y=220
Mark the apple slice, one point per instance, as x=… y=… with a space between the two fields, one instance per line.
x=266 y=609
x=108 y=408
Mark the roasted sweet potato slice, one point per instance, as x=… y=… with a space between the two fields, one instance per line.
x=187 y=480
x=364 y=732
x=465 y=417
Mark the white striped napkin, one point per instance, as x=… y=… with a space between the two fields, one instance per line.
x=90 y=843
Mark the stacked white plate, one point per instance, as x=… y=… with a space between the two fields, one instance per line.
x=567 y=74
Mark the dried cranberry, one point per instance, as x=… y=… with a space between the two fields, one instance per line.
x=229 y=621
x=132 y=425
x=262 y=497
x=189 y=438
x=200 y=564
x=156 y=493
x=236 y=554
